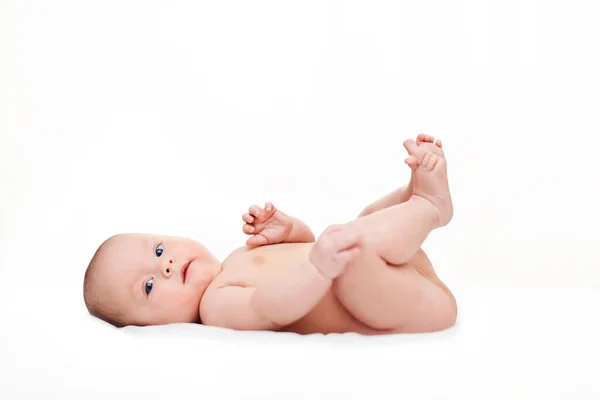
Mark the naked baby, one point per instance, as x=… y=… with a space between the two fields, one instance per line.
x=368 y=276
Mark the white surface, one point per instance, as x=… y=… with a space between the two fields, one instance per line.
x=526 y=344
x=173 y=117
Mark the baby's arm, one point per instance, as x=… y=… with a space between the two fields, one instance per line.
x=289 y=296
x=270 y=306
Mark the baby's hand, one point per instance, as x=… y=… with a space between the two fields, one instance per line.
x=267 y=225
x=335 y=248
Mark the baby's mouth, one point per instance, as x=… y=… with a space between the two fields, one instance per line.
x=184 y=270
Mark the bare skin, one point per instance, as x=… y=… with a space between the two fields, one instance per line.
x=368 y=276
x=404 y=193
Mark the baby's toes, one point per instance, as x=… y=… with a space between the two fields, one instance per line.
x=423 y=138
x=411 y=147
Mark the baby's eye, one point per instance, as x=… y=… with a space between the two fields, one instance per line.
x=148 y=286
x=159 y=250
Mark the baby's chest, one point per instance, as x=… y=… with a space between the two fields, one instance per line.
x=250 y=267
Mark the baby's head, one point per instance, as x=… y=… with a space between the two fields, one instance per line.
x=136 y=279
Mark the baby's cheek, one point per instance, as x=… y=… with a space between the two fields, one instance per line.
x=190 y=296
x=205 y=275
x=174 y=297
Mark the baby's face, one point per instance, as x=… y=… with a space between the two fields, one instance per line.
x=157 y=280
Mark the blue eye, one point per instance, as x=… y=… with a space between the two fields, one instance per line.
x=148 y=286
x=159 y=250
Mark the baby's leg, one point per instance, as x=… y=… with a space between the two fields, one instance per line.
x=380 y=288
x=397 y=232
x=398 y=196
x=407 y=298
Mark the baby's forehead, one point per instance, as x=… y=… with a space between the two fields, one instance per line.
x=129 y=240
x=125 y=248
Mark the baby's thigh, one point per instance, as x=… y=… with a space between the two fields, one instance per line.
x=375 y=292
x=397 y=298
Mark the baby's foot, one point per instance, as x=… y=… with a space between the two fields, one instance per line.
x=430 y=179
x=428 y=142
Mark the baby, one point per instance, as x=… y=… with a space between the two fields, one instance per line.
x=368 y=276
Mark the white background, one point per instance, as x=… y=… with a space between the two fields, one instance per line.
x=173 y=117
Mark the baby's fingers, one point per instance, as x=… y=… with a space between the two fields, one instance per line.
x=248 y=218
x=248 y=229
x=412 y=162
x=344 y=257
x=269 y=206
x=344 y=239
x=257 y=240
x=258 y=213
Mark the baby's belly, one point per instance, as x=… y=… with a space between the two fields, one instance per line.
x=251 y=267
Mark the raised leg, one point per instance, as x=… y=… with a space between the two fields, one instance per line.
x=398 y=196
x=397 y=232
x=384 y=287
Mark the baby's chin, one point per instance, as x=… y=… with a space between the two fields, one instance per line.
x=201 y=273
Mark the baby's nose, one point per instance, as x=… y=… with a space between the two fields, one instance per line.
x=167 y=267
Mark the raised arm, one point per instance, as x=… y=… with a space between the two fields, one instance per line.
x=269 y=225
x=287 y=297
